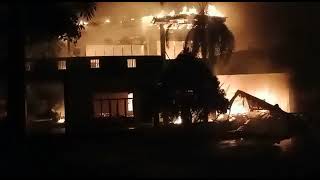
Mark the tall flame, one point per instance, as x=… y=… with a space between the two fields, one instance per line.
x=185 y=10
x=239 y=106
x=161 y=14
x=172 y=13
x=212 y=11
x=193 y=10
x=147 y=19
x=83 y=23
x=177 y=120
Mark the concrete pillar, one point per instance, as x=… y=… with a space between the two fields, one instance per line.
x=78 y=104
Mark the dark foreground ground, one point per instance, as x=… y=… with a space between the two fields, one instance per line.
x=154 y=154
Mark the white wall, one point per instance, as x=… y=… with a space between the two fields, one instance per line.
x=115 y=50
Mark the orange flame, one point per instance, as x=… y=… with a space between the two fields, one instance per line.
x=147 y=20
x=211 y=11
x=83 y=23
x=185 y=10
x=172 y=13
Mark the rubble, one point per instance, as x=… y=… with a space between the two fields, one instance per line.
x=264 y=119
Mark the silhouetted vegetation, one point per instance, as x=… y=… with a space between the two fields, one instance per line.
x=209 y=37
x=187 y=88
x=37 y=22
x=47 y=21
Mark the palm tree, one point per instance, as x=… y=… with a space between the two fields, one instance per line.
x=36 y=22
x=212 y=39
x=209 y=37
x=187 y=86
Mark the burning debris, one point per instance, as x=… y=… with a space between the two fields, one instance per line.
x=259 y=120
x=264 y=119
x=185 y=18
x=257 y=104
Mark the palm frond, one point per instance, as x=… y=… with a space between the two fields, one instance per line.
x=87 y=10
x=210 y=38
x=202 y=7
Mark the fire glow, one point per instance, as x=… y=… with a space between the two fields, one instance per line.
x=211 y=11
x=83 y=23
x=61 y=111
x=178 y=120
x=61 y=120
x=272 y=88
x=189 y=11
x=240 y=105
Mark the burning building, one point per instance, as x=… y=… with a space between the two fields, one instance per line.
x=108 y=73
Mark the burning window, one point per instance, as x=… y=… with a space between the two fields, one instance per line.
x=130 y=102
x=62 y=65
x=94 y=63
x=131 y=63
x=113 y=104
x=190 y=91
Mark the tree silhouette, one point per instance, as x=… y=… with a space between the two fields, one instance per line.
x=31 y=23
x=187 y=86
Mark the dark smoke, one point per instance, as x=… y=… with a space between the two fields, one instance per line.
x=41 y=98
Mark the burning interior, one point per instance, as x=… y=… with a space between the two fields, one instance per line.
x=117 y=105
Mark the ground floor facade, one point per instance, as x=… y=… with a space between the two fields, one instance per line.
x=117 y=90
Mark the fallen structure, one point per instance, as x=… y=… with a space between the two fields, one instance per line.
x=266 y=121
x=258 y=104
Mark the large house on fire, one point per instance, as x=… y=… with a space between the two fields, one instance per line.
x=101 y=87
x=105 y=78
